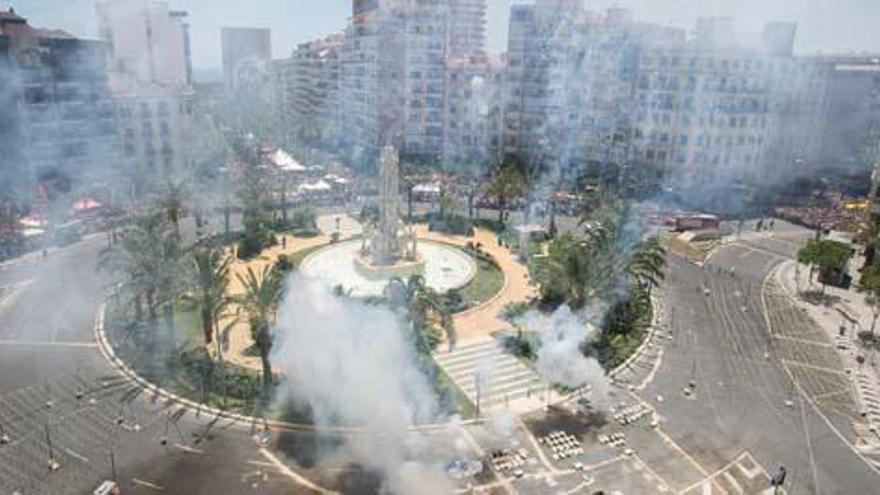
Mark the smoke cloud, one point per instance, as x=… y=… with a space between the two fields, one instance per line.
x=353 y=365
x=560 y=356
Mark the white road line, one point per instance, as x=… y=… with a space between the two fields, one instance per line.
x=810 y=448
x=76 y=455
x=290 y=473
x=147 y=484
x=800 y=389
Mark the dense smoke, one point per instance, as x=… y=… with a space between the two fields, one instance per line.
x=352 y=364
x=561 y=358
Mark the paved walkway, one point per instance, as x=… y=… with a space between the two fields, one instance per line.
x=239 y=339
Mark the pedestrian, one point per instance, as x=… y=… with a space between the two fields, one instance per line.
x=284 y=242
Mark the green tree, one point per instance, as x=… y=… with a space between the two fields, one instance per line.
x=419 y=301
x=147 y=256
x=260 y=299
x=508 y=183
x=211 y=268
x=870 y=285
x=828 y=256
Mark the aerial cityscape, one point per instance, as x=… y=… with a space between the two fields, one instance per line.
x=446 y=247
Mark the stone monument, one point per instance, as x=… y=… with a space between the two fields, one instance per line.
x=385 y=251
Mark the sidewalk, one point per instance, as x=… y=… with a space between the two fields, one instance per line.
x=847 y=310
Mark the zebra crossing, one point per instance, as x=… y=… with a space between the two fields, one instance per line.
x=489 y=375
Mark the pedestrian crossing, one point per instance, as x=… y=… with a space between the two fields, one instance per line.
x=486 y=373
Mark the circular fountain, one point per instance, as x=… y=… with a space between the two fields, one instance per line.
x=389 y=249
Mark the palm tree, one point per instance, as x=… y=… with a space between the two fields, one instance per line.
x=419 y=301
x=211 y=267
x=140 y=256
x=647 y=263
x=262 y=294
x=171 y=200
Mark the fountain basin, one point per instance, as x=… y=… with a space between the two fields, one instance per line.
x=443 y=267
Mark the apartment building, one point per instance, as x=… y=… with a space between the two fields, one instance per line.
x=708 y=110
x=473 y=111
x=311 y=91
x=59 y=117
x=242 y=49
x=853 y=113
x=149 y=42
x=150 y=76
x=570 y=76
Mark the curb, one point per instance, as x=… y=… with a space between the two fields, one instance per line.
x=130 y=374
x=655 y=317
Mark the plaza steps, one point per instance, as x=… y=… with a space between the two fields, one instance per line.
x=505 y=377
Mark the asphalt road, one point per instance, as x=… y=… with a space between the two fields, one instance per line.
x=721 y=343
x=60 y=399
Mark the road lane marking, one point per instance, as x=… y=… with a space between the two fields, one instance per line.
x=290 y=473
x=800 y=389
x=147 y=484
x=813 y=367
x=76 y=455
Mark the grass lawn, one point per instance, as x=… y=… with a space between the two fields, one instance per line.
x=487 y=282
x=466 y=408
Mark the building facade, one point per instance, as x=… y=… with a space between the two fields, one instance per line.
x=853 y=113
x=473 y=111
x=148 y=41
x=312 y=91
x=467 y=29
x=570 y=77
x=59 y=118
x=243 y=48
x=708 y=111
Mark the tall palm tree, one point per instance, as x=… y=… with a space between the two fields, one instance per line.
x=262 y=294
x=140 y=257
x=647 y=263
x=211 y=268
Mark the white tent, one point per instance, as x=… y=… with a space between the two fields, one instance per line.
x=427 y=189
x=284 y=161
x=319 y=186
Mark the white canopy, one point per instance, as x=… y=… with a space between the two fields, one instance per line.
x=317 y=186
x=427 y=188
x=284 y=161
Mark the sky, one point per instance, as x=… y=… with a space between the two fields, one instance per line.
x=827 y=26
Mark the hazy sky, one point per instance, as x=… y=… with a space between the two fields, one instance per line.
x=825 y=25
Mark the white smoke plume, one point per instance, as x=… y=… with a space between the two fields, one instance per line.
x=560 y=357
x=353 y=364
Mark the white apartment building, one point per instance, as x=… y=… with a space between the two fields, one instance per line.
x=710 y=112
x=154 y=125
x=569 y=80
x=148 y=41
x=150 y=80
x=311 y=91
x=467 y=28
x=394 y=72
